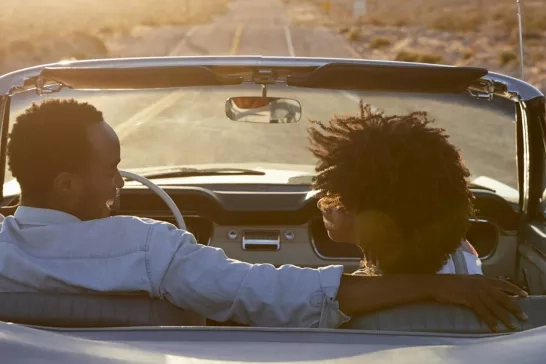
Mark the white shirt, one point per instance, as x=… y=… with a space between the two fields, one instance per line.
x=54 y=251
x=473 y=265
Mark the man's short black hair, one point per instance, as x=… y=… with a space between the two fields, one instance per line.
x=47 y=139
x=401 y=167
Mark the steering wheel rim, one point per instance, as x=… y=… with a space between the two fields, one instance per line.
x=162 y=194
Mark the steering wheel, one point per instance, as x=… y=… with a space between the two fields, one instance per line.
x=162 y=194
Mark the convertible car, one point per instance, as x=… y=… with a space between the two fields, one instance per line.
x=217 y=145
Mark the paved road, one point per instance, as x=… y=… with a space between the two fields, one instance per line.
x=190 y=126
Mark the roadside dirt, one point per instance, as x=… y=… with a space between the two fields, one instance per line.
x=479 y=33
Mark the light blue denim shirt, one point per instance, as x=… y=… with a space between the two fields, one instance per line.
x=48 y=250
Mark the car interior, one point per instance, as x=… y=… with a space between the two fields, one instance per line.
x=281 y=224
x=278 y=228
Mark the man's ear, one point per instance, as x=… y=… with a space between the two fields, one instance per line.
x=66 y=183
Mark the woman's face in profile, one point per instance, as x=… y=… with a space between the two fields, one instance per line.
x=338 y=223
x=341 y=228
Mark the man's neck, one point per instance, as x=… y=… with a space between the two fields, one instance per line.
x=41 y=205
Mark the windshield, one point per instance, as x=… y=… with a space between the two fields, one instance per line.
x=190 y=126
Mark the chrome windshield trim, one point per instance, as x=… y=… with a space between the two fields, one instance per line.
x=16 y=80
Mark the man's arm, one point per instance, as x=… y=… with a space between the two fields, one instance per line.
x=485 y=296
x=204 y=280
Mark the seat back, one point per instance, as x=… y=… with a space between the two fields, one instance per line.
x=432 y=317
x=93 y=310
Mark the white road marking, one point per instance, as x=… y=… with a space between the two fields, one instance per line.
x=353 y=97
x=151 y=111
x=350 y=96
x=292 y=53
x=146 y=114
x=289 y=43
x=182 y=41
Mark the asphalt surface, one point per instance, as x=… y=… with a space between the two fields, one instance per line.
x=190 y=126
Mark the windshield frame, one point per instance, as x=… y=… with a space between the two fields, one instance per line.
x=491 y=85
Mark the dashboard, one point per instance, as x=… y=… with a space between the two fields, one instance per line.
x=280 y=224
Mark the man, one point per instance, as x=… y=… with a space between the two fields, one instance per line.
x=397 y=188
x=65 y=157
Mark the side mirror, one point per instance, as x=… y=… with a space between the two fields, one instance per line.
x=258 y=109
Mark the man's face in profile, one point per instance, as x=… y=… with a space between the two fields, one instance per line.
x=100 y=178
x=248 y=103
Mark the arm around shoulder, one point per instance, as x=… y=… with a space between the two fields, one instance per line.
x=203 y=279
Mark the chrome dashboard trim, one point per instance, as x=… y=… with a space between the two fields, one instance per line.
x=352 y=259
x=258 y=243
x=312 y=242
x=323 y=257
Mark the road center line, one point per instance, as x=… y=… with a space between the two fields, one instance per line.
x=236 y=40
x=290 y=45
x=146 y=114
x=151 y=111
x=353 y=97
x=182 y=42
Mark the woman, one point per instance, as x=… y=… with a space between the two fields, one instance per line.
x=340 y=228
x=398 y=189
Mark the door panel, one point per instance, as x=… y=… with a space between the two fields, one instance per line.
x=532 y=269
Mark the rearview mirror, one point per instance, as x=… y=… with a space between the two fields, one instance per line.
x=258 y=109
